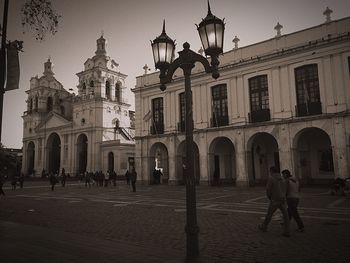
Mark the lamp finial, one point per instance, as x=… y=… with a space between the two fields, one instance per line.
x=209 y=11
x=163 y=26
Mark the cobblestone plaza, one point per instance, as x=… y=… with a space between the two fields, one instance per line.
x=78 y=224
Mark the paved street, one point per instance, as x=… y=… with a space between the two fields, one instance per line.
x=78 y=224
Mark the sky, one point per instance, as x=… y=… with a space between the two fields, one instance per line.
x=129 y=25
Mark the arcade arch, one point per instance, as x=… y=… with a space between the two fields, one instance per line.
x=159 y=159
x=262 y=153
x=180 y=161
x=313 y=156
x=222 y=161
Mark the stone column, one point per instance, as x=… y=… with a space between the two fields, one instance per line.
x=24 y=158
x=241 y=160
x=203 y=152
x=285 y=149
x=339 y=142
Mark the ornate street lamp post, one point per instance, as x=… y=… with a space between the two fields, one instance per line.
x=211 y=32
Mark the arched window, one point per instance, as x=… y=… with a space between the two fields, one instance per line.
x=307 y=90
x=30 y=104
x=49 y=104
x=62 y=110
x=36 y=104
x=117 y=92
x=108 y=90
x=91 y=83
x=84 y=87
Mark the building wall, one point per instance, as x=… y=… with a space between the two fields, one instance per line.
x=327 y=46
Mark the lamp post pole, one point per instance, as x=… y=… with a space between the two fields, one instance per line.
x=192 y=228
x=211 y=32
x=3 y=61
x=186 y=61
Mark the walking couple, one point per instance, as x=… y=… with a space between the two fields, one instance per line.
x=283 y=192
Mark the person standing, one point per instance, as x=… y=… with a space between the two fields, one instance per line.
x=155 y=176
x=80 y=178
x=276 y=191
x=127 y=176
x=133 y=178
x=43 y=174
x=293 y=199
x=64 y=177
x=21 y=180
x=114 y=178
x=87 y=179
x=106 y=178
x=14 y=182
x=53 y=180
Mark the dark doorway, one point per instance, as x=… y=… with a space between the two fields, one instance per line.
x=54 y=153
x=222 y=162
x=82 y=144
x=110 y=161
x=31 y=157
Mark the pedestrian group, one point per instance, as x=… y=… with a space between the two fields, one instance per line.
x=282 y=190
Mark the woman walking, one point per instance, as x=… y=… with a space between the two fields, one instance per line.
x=293 y=199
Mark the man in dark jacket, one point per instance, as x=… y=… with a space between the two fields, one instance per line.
x=276 y=191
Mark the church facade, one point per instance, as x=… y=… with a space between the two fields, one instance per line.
x=282 y=102
x=89 y=131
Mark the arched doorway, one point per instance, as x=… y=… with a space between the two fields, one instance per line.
x=53 y=153
x=180 y=161
x=222 y=162
x=82 y=145
x=30 y=157
x=313 y=156
x=158 y=159
x=110 y=161
x=262 y=151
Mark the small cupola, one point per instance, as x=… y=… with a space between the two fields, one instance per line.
x=101 y=46
x=48 y=67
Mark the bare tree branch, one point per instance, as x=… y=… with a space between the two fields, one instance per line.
x=40 y=17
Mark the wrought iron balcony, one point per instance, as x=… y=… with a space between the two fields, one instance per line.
x=219 y=121
x=157 y=128
x=307 y=109
x=181 y=126
x=259 y=115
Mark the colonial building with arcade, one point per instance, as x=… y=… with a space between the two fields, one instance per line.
x=89 y=131
x=282 y=102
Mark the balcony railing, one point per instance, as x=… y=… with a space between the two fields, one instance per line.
x=181 y=126
x=157 y=128
x=307 y=109
x=219 y=121
x=259 y=115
